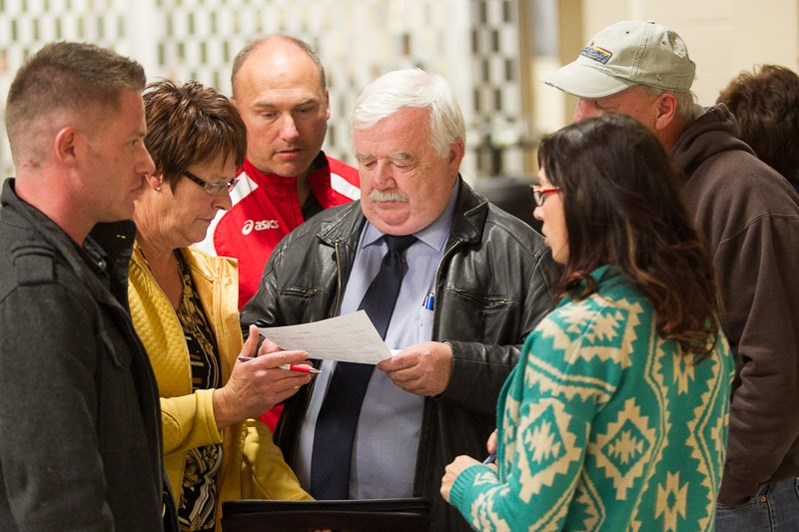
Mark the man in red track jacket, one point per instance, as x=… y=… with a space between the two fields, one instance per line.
x=280 y=90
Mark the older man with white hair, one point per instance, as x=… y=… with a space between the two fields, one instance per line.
x=460 y=287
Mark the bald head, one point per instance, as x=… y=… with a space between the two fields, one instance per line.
x=278 y=48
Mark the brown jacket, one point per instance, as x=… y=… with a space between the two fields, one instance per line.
x=750 y=216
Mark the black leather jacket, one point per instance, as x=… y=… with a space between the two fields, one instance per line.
x=492 y=287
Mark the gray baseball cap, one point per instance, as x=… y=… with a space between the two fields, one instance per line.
x=623 y=55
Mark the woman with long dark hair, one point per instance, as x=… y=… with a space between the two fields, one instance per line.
x=616 y=416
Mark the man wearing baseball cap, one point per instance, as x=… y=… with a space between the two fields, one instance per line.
x=750 y=217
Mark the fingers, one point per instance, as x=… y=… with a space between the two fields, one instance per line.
x=418 y=383
x=268 y=346
x=255 y=390
x=422 y=369
x=446 y=486
x=451 y=472
x=405 y=359
x=250 y=346
x=257 y=384
x=491 y=445
x=279 y=358
x=274 y=381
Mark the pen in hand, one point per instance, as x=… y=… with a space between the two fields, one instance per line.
x=300 y=369
x=290 y=367
x=491 y=458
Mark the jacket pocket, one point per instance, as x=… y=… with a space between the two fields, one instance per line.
x=483 y=302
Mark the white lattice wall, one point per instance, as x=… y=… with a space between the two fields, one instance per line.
x=473 y=43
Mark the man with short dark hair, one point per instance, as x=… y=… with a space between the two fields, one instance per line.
x=750 y=217
x=79 y=411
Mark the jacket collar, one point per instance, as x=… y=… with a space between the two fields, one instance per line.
x=108 y=246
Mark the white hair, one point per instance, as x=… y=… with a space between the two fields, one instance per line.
x=412 y=88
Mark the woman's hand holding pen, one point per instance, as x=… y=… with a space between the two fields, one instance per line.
x=462 y=462
x=258 y=384
x=452 y=471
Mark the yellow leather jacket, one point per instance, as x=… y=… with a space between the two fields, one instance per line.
x=252 y=465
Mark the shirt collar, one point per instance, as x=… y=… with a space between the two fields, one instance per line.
x=434 y=235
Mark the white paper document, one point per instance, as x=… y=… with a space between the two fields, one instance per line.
x=347 y=338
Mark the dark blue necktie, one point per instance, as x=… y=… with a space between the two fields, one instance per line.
x=338 y=416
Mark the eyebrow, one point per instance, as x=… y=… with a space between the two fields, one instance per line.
x=266 y=103
x=399 y=156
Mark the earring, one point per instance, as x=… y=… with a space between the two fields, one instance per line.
x=158 y=188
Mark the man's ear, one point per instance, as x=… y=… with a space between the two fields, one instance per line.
x=456 y=152
x=666 y=112
x=68 y=145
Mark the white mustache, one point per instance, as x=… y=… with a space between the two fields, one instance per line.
x=382 y=195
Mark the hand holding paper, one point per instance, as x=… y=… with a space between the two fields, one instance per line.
x=422 y=369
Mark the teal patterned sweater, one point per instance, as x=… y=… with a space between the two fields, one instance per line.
x=604 y=425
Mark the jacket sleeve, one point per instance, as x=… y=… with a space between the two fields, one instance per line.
x=759 y=291
x=264 y=473
x=262 y=309
x=490 y=363
x=188 y=421
x=48 y=361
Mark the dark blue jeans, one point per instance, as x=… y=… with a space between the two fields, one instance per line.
x=775 y=506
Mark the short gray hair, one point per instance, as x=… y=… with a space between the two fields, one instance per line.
x=412 y=88
x=686 y=100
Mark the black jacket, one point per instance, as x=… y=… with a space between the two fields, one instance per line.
x=492 y=287
x=79 y=409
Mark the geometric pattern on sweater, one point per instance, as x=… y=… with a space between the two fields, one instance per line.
x=604 y=425
x=625 y=448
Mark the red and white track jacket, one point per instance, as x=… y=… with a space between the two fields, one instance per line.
x=266 y=208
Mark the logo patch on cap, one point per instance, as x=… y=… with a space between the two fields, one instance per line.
x=595 y=53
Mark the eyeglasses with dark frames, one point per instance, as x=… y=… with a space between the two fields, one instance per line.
x=214 y=189
x=540 y=193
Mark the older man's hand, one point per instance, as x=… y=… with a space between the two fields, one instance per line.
x=422 y=369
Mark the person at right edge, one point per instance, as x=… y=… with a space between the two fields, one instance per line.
x=765 y=103
x=750 y=217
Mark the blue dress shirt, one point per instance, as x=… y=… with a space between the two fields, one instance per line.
x=385 y=448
